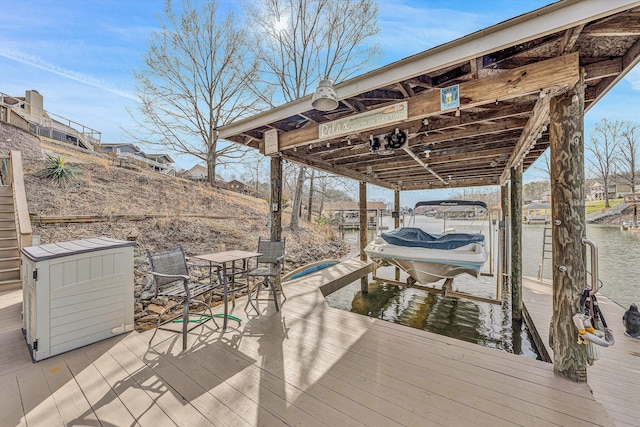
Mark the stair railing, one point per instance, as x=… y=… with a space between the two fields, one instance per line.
x=13 y=176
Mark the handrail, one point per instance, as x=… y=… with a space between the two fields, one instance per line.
x=594 y=265
x=161 y=166
x=23 y=222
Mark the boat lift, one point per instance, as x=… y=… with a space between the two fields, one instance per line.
x=447 y=287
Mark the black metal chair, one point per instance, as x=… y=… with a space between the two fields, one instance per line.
x=269 y=267
x=171 y=276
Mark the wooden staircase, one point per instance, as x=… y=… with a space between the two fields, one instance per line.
x=9 y=250
x=15 y=225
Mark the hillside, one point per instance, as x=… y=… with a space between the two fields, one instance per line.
x=104 y=189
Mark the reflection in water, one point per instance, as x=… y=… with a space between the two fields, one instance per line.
x=485 y=324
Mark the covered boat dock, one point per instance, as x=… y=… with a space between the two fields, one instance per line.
x=523 y=86
x=476 y=111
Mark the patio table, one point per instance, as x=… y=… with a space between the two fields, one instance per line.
x=227 y=261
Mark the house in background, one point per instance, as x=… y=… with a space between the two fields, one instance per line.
x=28 y=113
x=199 y=173
x=240 y=187
x=616 y=190
x=128 y=153
x=121 y=148
x=160 y=158
x=346 y=213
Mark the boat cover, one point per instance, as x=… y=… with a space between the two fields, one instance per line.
x=418 y=238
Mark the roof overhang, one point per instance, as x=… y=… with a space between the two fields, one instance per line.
x=501 y=72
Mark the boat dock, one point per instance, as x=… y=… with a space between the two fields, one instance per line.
x=307 y=365
x=615 y=377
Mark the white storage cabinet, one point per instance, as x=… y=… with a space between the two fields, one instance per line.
x=76 y=293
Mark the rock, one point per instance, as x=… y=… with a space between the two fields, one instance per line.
x=155 y=308
x=139 y=315
x=163 y=301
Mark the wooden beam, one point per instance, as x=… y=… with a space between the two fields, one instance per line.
x=454 y=183
x=569 y=228
x=276 y=198
x=607 y=68
x=555 y=72
x=316 y=163
x=569 y=39
x=405 y=89
x=477 y=130
x=504 y=243
x=364 y=233
x=354 y=105
x=516 y=242
x=396 y=220
x=475 y=65
x=530 y=134
x=615 y=26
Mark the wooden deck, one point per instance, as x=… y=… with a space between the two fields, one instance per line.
x=615 y=378
x=309 y=365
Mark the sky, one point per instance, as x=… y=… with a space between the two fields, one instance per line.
x=80 y=55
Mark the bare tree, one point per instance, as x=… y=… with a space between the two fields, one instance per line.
x=196 y=77
x=253 y=164
x=543 y=164
x=300 y=42
x=603 y=147
x=628 y=154
x=536 y=190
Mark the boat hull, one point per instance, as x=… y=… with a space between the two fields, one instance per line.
x=430 y=265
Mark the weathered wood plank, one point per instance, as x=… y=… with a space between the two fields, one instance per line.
x=39 y=406
x=71 y=402
x=104 y=401
x=10 y=402
x=611 y=377
x=560 y=71
x=117 y=366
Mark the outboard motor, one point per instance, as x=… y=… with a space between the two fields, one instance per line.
x=631 y=321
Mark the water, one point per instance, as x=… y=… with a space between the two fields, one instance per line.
x=618 y=260
x=488 y=324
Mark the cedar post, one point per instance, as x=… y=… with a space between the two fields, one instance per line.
x=276 y=197
x=516 y=242
x=364 y=232
x=396 y=219
x=569 y=227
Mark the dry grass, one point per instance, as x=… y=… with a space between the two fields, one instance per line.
x=104 y=190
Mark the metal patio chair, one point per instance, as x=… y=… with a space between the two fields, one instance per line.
x=171 y=276
x=269 y=268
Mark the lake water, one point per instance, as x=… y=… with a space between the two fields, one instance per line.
x=488 y=324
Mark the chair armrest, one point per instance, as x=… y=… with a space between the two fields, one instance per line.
x=280 y=260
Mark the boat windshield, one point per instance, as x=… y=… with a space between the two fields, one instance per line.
x=449 y=209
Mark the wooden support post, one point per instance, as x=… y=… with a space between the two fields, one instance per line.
x=276 y=198
x=516 y=242
x=569 y=227
x=504 y=243
x=396 y=220
x=364 y=232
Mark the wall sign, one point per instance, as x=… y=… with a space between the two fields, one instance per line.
x=449 y=97
x=271 y=142
x=363 y=121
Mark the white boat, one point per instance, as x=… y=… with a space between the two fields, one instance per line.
x=429 y=257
